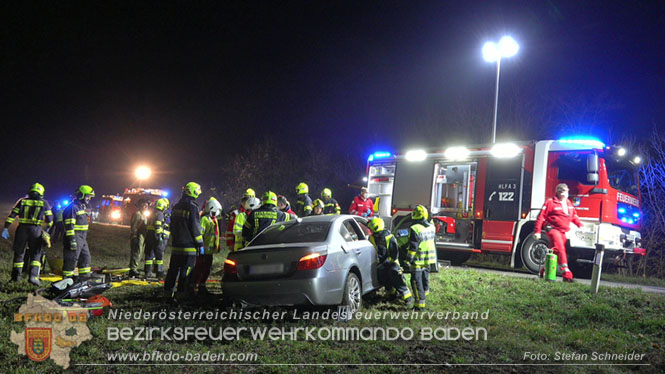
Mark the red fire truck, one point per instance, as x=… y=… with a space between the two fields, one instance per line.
x=135 y=194
x=485 y=199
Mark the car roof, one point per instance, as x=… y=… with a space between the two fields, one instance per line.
x=327 y=218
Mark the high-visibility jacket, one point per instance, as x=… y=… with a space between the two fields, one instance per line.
x=422 y=244
x=331 y=206
x=31 y=212
x=553 y=213
x=155 y=226
x=261 y=218
x=186 y=226
x=238 y=224
x=303 y=205
x=386 y=246
x=76 y=219
x=210 y=230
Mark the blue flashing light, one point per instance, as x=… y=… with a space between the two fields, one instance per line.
x=621 y=210
x=165 y=193
x=584 y=141
x=636 y=215
x=65 y=202
x=631 y=221
x=624 y=220
x=378 y=155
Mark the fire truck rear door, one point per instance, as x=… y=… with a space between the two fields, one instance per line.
x=413 y=184
x=502 y=203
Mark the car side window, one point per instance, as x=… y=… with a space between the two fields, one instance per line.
x=348 y=232
x=363 y=226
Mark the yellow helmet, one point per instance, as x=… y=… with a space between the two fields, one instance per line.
x=37 y=188
x=376 y=224
x=420 y=212
x=84 y=191
x=318 y=204
x=192 y=189
x=302 y=188
x=162 y=204
x=326 y=192
x=269 y=198
x=250 y=193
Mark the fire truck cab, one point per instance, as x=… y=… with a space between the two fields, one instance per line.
x=486 y=199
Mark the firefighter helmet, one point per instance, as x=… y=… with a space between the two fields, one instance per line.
x=302 y=188
x=38 y=189
x=270 y=198
x=420 y=212
x=250 y=193
x=318 y=204
x=192 y=189
x=252 y=203
x=162 y=204
x=326 y=192
x=376 y=224
x=84 y=191
x=213 y=207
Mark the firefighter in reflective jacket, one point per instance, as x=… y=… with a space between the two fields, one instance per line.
x=330 y=205
x=421 y=253
x=210 y=231
x=263 y=217
x=76 y=251
x=156 y=239
x=231 y=235
x=559 y=213
x=388 y=271
x=303 y=202
x=32 y=212
x=187 y=242
x=250 y=204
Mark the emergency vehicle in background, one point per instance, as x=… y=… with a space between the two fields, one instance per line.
x=486 y=199
x=119 y=209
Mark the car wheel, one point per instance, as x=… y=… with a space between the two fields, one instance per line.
x=534 y=252
x=352 y=297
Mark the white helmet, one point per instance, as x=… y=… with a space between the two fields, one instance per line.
x=213 y=207
x=252 y=203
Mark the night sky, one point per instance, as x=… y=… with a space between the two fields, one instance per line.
x=92 y=89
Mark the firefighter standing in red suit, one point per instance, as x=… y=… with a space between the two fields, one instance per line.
x=558 y=212
x=362 y=205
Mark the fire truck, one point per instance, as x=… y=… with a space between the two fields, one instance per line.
x=133 y=195
x=110 y=209
x=486 y=199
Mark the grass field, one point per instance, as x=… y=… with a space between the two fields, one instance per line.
x=525 y=315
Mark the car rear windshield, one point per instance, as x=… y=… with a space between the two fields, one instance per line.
x=293 y=233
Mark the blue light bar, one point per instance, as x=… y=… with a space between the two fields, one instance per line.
x=621 y=210
x=636 y=215
x=581 y=140
x=378 y=155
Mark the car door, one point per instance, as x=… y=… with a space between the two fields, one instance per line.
x=366 y=253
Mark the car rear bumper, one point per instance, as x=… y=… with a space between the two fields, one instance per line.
x=323 y=290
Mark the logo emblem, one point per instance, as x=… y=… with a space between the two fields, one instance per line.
x=38 y=343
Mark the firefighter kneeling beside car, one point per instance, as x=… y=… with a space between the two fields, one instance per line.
x=388 y=270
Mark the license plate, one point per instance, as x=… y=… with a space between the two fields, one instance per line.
x=266 y=269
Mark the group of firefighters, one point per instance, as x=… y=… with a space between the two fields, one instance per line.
x=195 y=235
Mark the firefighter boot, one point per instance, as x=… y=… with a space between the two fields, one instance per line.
x=409 y=302
x=160 y=271
x=34 y=276
x=16 y=274
x=148 y=271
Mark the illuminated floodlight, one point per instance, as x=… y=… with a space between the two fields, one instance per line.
x=142 y=172
x=416 y=155
x=637 y=160
x=505 y=150
x=621 y=152
x=457 y=153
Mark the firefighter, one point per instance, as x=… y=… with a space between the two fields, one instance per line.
x=284 y=205
x=137 y=232
x=263 y=217
x=32 y=212
x=210 y=231
x=330 y=205
x=421 y=253
x=303 y=202
x=388 y=270
x=156 y=239
x=362 y=205
x=251 y=204
x=317 y=207
x=229 y=236
x=558 y=212
x=58 y=228
x=187 y=242
x=75 y=245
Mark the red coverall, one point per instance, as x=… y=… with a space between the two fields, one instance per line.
x=361 y=206
x=556 y=217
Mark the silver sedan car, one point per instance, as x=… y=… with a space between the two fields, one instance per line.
x=321 y=260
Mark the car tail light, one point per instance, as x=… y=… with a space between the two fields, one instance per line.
x=312 y=261
x=640 y=251
x=230 y=266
